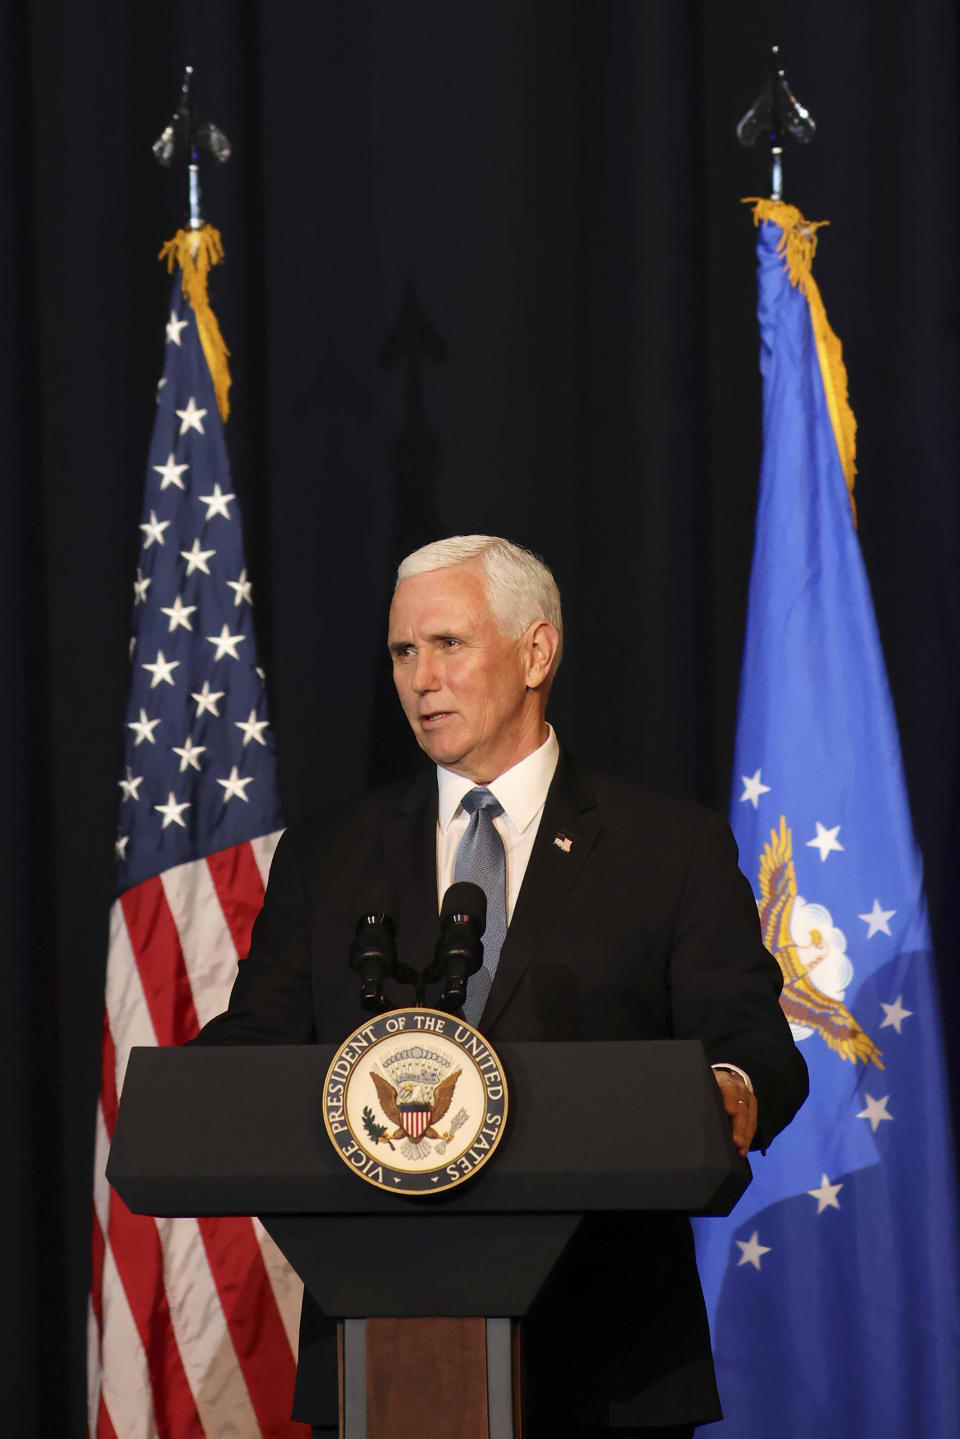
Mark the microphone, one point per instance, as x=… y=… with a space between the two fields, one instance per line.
x=373 y=952
x=459 y=949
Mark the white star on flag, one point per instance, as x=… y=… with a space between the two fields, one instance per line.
x=172 y=812
x=130 y=785
x=140 y=587
x=876 y=920
x=207 y=701
x=825 y=841
x=174 y=326
x=179 y=614
x=826 y=1195
x=753 y=788
x=242 y=587
x=161 y=670
x=234 y=785
x=226 y=644
x=191 y=418
x=894 y=1014
x=753 y=1250
x=143 y=728
x=120 y=848
x=189 y=754
x=196 y=558
x=170 y=473
x=252 y=728
x=875 y=1111
x=217 y=503
x=153 y=530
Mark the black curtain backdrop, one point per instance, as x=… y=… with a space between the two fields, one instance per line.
x=487 y=269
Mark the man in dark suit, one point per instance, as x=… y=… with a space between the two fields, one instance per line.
x=625 y=917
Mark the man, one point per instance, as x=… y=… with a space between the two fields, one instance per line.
x=622 y=916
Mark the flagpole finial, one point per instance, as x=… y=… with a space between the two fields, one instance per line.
x=776 y=113
x=189 y=130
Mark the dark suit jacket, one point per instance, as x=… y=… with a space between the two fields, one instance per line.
x=641 y=928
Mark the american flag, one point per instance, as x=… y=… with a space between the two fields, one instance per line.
x=193 y=1322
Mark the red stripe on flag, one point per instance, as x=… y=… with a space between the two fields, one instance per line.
x=253 y=1319
x=163 y=973
x=239 y=885
x=136 y=1249
x=108 y=1078
x=105 y=1429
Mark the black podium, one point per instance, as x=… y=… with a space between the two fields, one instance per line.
x=215 y=1131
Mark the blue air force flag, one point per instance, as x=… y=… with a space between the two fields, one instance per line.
x=832 y=1289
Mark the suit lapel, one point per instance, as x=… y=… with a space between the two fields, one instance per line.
x=410 y=851
x=568 y=830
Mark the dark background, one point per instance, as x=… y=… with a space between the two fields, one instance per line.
x=486 y=270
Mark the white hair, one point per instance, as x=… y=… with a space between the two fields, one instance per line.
x=520 y=589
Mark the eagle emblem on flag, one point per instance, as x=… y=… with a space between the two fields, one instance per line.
x=807 y=947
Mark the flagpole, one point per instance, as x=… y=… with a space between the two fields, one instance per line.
x=193 y=169
x=777 y=126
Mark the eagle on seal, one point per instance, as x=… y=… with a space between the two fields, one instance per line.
x=438 y=1097
x=801 y=1001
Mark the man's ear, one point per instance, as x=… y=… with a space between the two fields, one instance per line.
x=540 y=645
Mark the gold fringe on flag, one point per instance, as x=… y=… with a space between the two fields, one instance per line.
x=196 y=251
x=798 y=244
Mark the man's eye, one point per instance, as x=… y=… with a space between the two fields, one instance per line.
x=449 y=643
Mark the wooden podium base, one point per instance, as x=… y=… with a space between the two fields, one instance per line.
x=430 y=1379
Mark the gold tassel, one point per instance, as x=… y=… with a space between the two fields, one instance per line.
x=798 y=244
x=195 y=251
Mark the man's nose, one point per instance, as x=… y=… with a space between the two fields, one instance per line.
x=424 y=672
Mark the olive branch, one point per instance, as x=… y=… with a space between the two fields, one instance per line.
x=377 y=1132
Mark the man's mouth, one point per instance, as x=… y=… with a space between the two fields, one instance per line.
x=434 y=717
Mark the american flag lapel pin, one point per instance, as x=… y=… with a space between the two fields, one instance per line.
x=563 y=841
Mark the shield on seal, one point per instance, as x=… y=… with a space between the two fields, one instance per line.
x=415 y=1118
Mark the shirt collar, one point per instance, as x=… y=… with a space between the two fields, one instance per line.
x=521 y=790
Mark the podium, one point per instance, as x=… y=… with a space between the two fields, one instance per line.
x=239 y=1130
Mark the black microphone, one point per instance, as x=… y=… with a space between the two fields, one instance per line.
x=459 y=949
x=373 y=953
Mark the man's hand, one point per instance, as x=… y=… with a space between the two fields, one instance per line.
x=741 y=1106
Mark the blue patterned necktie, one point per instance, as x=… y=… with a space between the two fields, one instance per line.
x=481 y=859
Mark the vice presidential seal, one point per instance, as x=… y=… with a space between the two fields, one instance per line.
x=415 y=1101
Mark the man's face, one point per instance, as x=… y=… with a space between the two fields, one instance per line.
x=462 y=684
